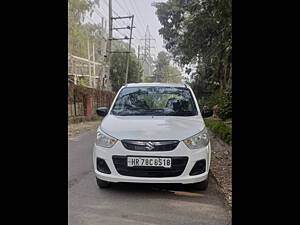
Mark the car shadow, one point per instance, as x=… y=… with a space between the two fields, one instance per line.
x=151 y=191
x=143 y=187
x=184 y=190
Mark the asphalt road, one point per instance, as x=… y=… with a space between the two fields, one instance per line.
x=135 y=204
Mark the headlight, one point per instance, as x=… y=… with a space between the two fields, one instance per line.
x=199 y=140
x=105 y=140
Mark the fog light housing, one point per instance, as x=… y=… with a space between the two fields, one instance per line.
x=199 y=167
x=102 y=166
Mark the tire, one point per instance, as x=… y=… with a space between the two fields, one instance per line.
x=201 y=186
x=102 y=183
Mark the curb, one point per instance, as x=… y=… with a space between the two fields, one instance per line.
x=220 y=190
x=219 y=185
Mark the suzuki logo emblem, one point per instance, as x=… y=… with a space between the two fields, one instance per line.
x=149 y=146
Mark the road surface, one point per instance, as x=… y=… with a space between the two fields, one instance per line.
x=135 y=204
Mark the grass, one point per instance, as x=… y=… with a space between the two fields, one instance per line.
x=220 y=129
x=96 y=117
x=84 y=119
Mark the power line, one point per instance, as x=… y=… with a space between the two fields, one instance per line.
x=91 y=20
x=122 y=7
x=118 y=22
x=124 y=24
x=121 y=33
x=136 y=16
x=141 y=22
x=141 y=26
x=119 y=25
x=112 y=9
x=125 y=11
x=98 y=12
x=137 y=13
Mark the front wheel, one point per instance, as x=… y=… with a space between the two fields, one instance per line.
x=102 y=183
x=202 y=186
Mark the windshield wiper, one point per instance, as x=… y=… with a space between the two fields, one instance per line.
x=128 y=113
x=183 y=113
x=155 y=112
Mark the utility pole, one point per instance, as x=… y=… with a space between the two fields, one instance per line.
x=125 y=38
x=94 y=69
x=129 y=50
x=110 y=39
x=108 y=44
x=90 y=74
x=103 y=56
x=102 y=43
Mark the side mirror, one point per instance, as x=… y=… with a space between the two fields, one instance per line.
x=207 y=113
x=102 y=111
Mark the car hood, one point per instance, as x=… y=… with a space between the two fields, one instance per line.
x=152 y=128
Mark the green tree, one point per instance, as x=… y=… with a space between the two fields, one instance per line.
x=164 y=72
x=77 y=31
x=199 y=32
x=118 y=66
x=149 y=80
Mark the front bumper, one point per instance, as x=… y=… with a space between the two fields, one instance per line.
x=180 y=151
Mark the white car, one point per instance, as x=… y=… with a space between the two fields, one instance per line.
x=152 y=133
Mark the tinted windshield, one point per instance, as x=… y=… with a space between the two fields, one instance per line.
x=158 y=101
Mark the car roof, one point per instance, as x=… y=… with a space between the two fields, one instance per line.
x=155 y=85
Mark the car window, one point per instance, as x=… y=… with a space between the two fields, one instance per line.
x=164 y=101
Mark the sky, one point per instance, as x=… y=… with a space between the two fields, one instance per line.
x=144 y=14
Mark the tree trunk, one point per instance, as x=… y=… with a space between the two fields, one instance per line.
x=225 y=77
x=220 y=66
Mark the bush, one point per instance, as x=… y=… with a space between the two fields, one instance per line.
x=224 y=102
x=220 y=129
x=224 y=110
x=211 y=100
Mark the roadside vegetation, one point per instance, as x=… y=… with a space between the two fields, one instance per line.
x=220 y=129
x=221 y=102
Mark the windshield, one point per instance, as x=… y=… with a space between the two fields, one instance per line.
x=158 y=101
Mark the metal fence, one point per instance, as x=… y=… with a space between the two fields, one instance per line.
x=79 y=68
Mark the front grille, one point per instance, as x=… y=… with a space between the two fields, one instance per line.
x=150 y=145
x=177 y=168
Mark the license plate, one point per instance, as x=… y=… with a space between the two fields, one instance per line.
x=149 y=161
